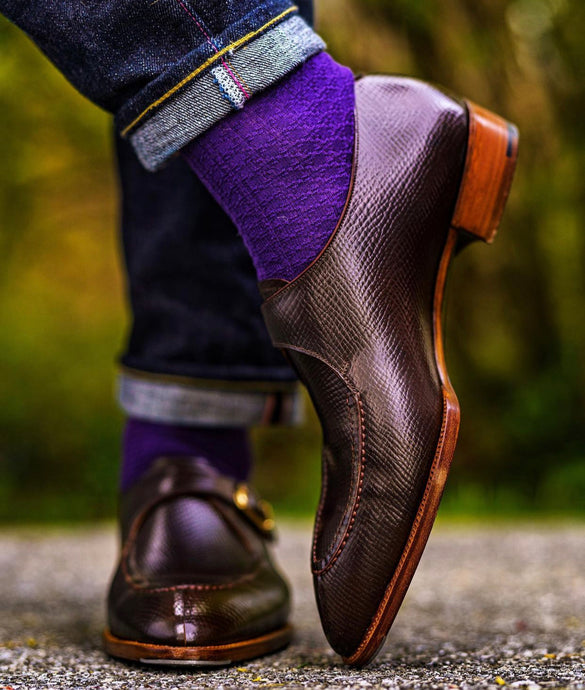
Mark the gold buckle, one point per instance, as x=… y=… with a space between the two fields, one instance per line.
x=261 y=513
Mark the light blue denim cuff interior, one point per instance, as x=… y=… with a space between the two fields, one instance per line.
x=222 y=88
x=194 y=404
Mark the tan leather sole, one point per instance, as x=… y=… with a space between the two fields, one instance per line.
x=213 y=655
x=492 y=151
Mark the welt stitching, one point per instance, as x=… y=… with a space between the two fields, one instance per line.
x=422 y=505
x=413 y=530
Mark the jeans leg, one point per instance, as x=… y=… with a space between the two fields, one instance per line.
x=168 y=69
x=198 y=351
x=197 y=347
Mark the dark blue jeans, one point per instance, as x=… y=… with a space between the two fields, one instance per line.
x=167 y=69
x=198 y=351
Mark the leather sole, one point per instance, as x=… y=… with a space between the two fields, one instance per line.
x=212 y=655
x=492 y=151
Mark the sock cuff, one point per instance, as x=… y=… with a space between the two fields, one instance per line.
x=228 y=450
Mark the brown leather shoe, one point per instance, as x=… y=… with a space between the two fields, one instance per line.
x=362 y=327
x=195 y=583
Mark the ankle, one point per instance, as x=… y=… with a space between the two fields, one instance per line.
x=281 y=166
x=226 y=449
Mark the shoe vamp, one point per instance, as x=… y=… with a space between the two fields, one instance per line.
x=364 y=310
x=188 y=541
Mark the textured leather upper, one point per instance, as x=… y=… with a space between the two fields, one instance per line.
x=357 y=326
x=194 y=569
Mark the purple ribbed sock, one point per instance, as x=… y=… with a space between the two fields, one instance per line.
x=281 y=166
x=228 y=450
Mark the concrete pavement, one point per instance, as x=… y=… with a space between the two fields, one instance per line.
x=489 y=607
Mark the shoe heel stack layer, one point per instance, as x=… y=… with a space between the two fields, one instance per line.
x=492 y=151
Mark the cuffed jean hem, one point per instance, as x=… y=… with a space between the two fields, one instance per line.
x=222 y=84
x=193 y=402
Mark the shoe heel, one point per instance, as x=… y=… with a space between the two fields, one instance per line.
x=492 y=151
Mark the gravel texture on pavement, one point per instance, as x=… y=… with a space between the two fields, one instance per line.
x=489 y=607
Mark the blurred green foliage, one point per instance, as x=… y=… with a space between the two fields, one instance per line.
x=516 y=312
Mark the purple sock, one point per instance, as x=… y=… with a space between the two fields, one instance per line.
x=281 y=166
x=228 y=450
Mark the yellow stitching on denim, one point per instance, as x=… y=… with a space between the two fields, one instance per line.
x=208 y=62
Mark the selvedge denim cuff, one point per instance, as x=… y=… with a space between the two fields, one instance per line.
x=219 y=85
x=200 y=402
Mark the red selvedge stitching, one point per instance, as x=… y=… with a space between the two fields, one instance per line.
x=360 y=487
x=215 y=48
x=244 y=86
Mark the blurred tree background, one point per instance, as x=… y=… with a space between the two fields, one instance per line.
x=516 y=312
